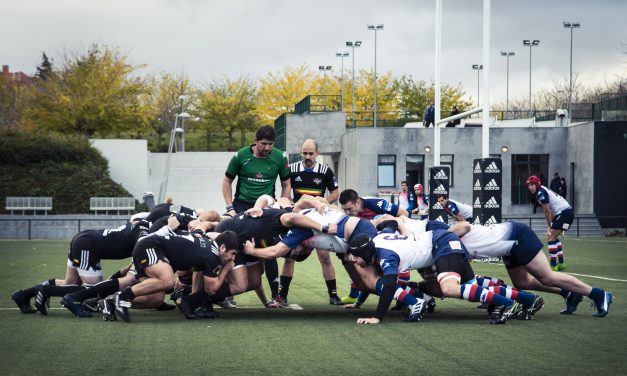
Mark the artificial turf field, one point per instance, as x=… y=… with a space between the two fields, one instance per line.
x=319 y=339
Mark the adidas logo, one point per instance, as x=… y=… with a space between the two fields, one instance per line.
x=491 y=221
x=477 y=186
x=440 y=219
x=436 y=206
x=492 y=169
x=440 y=190
x=476 y=221
x=298 y=178
x=477 y=204
x=440 y=175
x=491 y=186
x=477 y=169
x=492 y=203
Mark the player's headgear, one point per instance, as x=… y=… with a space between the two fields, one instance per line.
x=362 y=246
x=534 y=180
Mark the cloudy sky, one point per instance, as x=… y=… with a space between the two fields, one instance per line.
x=209 y=39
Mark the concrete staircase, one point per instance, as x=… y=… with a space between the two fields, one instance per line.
x=584 y=225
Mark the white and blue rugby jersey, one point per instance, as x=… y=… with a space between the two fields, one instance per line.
x=557 y=203
x=414 y=252
x=492 y=241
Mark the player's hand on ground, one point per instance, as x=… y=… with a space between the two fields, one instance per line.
x=349 y=306
x=371 y=320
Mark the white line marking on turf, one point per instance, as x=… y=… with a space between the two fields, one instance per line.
x=295 y=307
x=598 y=277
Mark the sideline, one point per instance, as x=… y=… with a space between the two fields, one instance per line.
x=295 y=307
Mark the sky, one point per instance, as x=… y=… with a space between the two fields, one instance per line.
x=212 y=39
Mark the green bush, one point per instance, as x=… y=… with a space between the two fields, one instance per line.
x=64 y=167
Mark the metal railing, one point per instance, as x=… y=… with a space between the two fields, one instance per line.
x=318 y=103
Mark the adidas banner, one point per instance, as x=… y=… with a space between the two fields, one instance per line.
x=439 y=183
x=487 y=198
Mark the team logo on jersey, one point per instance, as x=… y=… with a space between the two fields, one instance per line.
x=477 y=169
x=492 y=186
x=259 y=175
x=492 y=169
x=455 y=244
x=317 y=181
x=440 y=175
x=298 y=178
x=491 y=221
x=477 y=204
x=217 y=270
x=440 y=190
x=491 y=204
x=477 y=186
x=380 y=204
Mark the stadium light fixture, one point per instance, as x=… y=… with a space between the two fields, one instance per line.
x=342 y=55
x=507 y=54
x=324 y=69
x=571 y=26
x=478 y=68
x=352 y=45
x=531 y=43
x=375 y=28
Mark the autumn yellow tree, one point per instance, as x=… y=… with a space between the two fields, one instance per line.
x=93 y=93
x=280 y=91
x=228 y=106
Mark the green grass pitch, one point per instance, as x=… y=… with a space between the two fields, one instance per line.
x=320 y=339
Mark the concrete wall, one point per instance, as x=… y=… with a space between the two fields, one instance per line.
x=580 y=151
x=324 y=127
x=128 y=163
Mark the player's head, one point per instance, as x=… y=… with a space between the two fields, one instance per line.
x=362 y=246
x=351 y=202
x=264 y=140
x=443 y=200
x=418 y=189
x=404 y=186
x=208 y=216
x=390 y=225
x=229 y=245
x=309 y=152
x=533 y=183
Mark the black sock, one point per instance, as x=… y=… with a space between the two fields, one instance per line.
x=54 y=290
x=223 y=292
x=127 y=294
x=564 y=293
x=284 y=287
x=102 y=289
x=272 y=274
x=196 y=298
x=331 y=288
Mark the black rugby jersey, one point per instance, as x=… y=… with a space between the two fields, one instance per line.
x=313 y=181
x=116 y=243
x=266 y=230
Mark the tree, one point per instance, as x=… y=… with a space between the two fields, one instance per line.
x=163 y=102
x=44 y=70
x=280 y=91
x=13 y=101
x=228 y=106
x=92 y=93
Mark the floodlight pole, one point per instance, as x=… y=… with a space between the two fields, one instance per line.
x=485 y=134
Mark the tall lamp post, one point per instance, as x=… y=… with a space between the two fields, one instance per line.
x=324 y=69
x=341 y=55
x=375 y=28
x=353 y=45
x=166 y=171
x=571 y=26
x=530 y=43
x=507 y=54
x=478 y=68
x=182 y=146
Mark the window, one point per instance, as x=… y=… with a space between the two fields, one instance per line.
x=447 y=160
x=295 y=158
x=414 y=169
x=386 y=171
x=524 y=165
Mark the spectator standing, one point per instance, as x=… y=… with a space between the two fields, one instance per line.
x=555 y=183
x=406 y=198
x=563 y=190
x=429 y=115
x=421 y=207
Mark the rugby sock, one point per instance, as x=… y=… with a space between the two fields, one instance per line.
x=102 y=289
x=272 y=274
x=331 y=287
x=127 y=294
x=553 y=252
x=196 y=298
x=596 y=294
x=54 y=290
x=404 y=276
x=474 y=293
x=486 y=281
x=401 y=294
x=560 y=253
x=284 y=286
x=354 y=291
x=565 y=293
x=521 y=297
